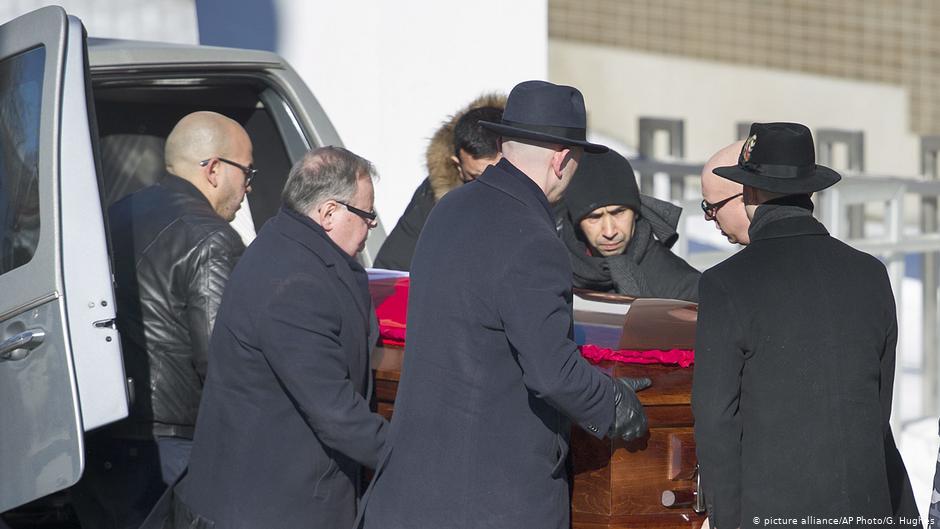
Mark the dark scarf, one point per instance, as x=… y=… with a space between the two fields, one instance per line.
x=780 y=208
x=621 y=273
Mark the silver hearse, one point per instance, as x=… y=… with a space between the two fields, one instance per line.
x=82 y=123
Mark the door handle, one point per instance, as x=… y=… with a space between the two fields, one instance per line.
x=18 y=346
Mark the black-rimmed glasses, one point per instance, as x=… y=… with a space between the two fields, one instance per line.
x=250 y=171
x=368 y=216
x=710 y=210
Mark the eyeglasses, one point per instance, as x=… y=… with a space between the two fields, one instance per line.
x=250 y=171
x=711 y=210
x=368 y=216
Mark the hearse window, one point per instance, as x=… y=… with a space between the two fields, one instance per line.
x=20 y=102
x=135 y=119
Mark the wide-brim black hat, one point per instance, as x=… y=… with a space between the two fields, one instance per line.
x=542 y=111
x=781 y=158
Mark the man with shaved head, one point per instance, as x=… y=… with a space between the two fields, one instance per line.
x=173 y=253
x=480 y=439
x=722 y=199
x=196 y=151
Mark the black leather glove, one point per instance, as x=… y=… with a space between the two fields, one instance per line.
x=629 y=418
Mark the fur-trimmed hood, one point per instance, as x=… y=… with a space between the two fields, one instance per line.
x=442 y=174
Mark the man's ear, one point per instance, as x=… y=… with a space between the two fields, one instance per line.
x=323 y=215
x=211 y=172
x=559 y=160
x=456 y=161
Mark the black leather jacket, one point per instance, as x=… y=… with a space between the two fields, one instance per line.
x=172 y=257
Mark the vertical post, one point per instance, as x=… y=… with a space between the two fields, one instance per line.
x=830 y=200
x=675 y=129
x=895 y=261
x=854 y=142
x=929 y=149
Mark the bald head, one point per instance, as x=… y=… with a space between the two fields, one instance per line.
x=527 y=153
x=731 y=218
x=549 y=165
x=207 y=148
x=728 y=155
x=199 y=136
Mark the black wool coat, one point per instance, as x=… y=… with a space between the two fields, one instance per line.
x=284 y=425
x=490 y=376
x=794 y=369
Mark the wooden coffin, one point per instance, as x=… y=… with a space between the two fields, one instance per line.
x=616 y=484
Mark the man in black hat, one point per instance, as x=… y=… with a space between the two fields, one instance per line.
x=491 y=376
x=619 y=240
x=794 y=358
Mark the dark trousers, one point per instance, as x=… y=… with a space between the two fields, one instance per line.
x=124 y=478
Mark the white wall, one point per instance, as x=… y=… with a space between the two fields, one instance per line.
x=388 y=73
x=158 y=20
x=620 y=86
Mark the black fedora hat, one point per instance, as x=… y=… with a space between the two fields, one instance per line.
x=542 y=111
x=781 y=158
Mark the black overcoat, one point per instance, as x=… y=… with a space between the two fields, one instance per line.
x=284 y=423
x=794 y=368
x=490 y=377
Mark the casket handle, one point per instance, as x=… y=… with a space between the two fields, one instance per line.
x=674 y=499
x=699 y=505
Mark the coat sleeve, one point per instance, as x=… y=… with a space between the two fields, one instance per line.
x=300 y=339
x=668 y=275
x=399 y=247
x=889 y=353
x=533 y=305
x=215 y=259
x=716 y=391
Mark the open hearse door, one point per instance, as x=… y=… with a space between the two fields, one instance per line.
x=61 y=371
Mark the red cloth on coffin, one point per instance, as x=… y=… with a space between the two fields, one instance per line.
x=391 y=308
